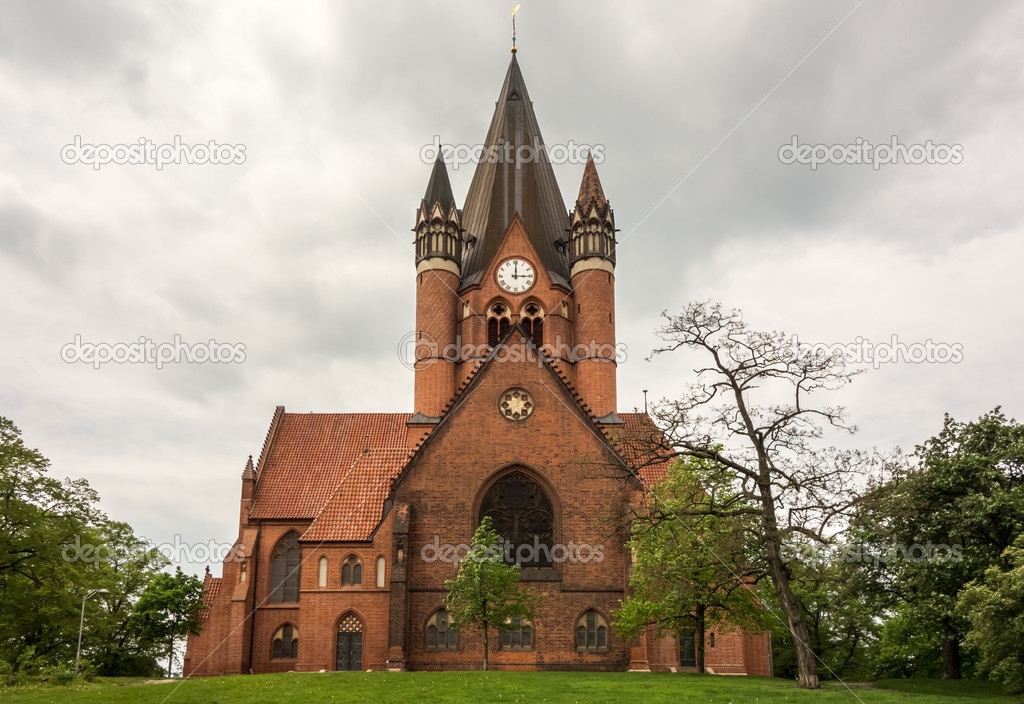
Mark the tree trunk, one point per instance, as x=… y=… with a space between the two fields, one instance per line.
x=699 y=640
x=950 y=655
x=807 y=668
x=485 y=647
x=483 y=610
x=170 y=658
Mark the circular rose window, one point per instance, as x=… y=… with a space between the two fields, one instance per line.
x=515 y=404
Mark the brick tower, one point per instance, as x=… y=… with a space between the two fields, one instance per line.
x=592 y=258
x=438 y=271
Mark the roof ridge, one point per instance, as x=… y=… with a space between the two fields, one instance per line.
x=268 y=441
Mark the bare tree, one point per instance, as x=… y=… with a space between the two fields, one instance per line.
x=748 y=412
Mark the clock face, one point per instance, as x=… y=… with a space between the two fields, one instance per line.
x=516 y=275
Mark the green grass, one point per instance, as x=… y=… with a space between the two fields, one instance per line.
x=500 y=687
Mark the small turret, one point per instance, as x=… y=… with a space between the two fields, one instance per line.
x=248 y=484
x=592 y=267
x=438 y=272
x=591 y=223
x=438 y=222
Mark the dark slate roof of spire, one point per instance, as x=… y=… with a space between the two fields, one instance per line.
x=499 y=190
x=439 y=187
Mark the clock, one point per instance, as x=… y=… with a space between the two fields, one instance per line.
x=516 y=275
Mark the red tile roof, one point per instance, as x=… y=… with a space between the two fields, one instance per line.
x=311 y=453
x=211 y=589
x=639 y=443
x=356 y=507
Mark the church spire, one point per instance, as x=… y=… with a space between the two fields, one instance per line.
x=514 y=176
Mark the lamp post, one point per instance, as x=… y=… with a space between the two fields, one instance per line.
x=81 y=622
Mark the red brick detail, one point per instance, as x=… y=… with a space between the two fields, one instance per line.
x=437 y=310
x=594 y=291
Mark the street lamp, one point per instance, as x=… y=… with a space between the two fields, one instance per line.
x=81 y=622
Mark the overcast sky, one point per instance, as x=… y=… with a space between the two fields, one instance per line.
x=303 y=252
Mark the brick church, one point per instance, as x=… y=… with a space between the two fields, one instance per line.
x=350 y=523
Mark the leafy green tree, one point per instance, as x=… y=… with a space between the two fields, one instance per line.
x=486 y=592
x=120 y=646
x=39 y=588
x=994 y=607
x=56 y=546
x=170 y=608
x=942 y=524
x=693 y=567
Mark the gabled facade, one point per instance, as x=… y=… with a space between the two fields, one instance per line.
x=351 y=523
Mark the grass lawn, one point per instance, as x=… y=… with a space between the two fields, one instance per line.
x=500 y=687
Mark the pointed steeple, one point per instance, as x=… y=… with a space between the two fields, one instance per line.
x=439 y=188
x=514 y=176
x=249 y=472
x=590 y=188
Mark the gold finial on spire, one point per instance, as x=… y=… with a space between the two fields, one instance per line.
x=514 y=11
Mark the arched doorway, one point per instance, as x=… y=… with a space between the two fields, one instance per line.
x=350 y=643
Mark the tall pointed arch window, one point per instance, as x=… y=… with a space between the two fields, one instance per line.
x=523 y=515
x=285 y=569
x=532 y=320
x=499 y=320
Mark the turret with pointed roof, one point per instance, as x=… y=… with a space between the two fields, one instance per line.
x=592 y=257
x=514 y=176
x=438 y=227
x=592 y=223
x=438 y=268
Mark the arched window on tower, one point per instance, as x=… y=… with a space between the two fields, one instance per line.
x=531 y=318
x=499 y=320
x=285 y=569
